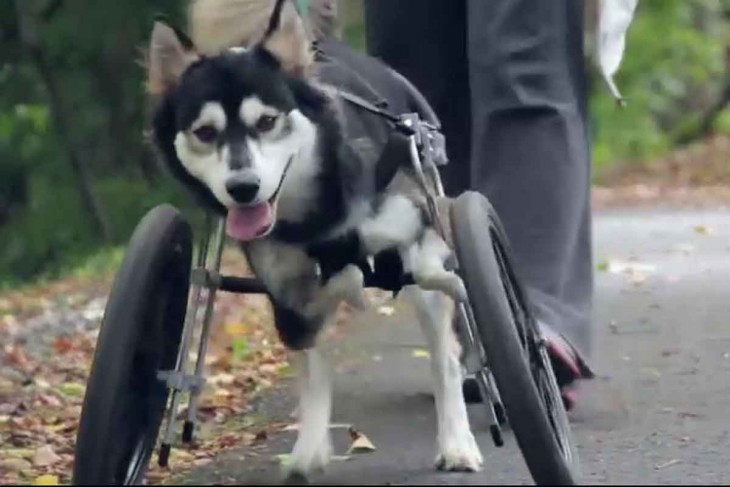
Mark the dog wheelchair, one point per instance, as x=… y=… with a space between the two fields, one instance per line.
x=141 y=369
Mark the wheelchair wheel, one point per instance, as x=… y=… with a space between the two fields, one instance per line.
x=140 y=335
x=515 y=351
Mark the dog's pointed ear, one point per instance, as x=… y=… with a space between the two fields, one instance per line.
x=168 y=58
x=287 y=39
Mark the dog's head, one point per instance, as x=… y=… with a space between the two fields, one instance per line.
x=230 y=124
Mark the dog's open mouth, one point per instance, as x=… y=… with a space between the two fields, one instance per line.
x=246 y=223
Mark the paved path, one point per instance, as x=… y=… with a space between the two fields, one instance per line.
x=659 y=412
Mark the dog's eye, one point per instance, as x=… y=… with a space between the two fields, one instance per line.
x=266 y=123
x=206 y=133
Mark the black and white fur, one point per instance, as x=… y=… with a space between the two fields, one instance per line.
x=264 y=114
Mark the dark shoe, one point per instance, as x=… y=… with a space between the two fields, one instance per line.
x=568 y=365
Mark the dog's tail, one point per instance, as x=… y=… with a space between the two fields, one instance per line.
x=216 y=25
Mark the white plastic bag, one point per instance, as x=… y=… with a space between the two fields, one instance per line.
x=614 y=19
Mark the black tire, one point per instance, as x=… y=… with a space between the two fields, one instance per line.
x=140 y=334
x=511 y=342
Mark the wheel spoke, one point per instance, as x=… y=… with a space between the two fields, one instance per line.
x=535 y=354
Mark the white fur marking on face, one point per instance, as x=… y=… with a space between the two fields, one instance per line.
x=208 y=167
x=270 y=157
x=237 y=49
x=252 y=108
x=211 y=113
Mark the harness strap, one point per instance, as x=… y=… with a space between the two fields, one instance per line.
x=366 y=105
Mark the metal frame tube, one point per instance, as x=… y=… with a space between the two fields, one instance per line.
x=207 y=320
x=190 y=319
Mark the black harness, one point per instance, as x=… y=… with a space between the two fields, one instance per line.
x=335 y=254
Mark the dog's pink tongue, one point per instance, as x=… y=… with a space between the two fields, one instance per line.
x=247 y=223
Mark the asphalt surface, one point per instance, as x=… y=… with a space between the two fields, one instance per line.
x=659 y=412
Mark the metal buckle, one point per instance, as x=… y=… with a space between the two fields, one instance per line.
x=182 y=382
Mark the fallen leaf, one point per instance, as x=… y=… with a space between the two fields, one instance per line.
x=220 y=392
x=702 y=229
x=240 y=349
x=687 y=414
x=285 y=370
x=16 y=465
x=45 y=456
x=360 y=443
x=18 y=453
x=222 y=378
x=237 y=328
x=15 y=356
x=50 y=400
x=661 y=466
x=637 y=278
x=178 y=455
x=613 y=326
x=73 y=389
x=46 y=480
x=602 y=266
x=421 y=353
x=260 y=437
x=333 y=426
x=683 y=248
x=621 y=267
x=62 y=345
x=386 y=310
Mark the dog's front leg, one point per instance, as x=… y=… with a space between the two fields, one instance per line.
x=291 y=278
x=457 y=448
x=399 y=224
x=312 y=450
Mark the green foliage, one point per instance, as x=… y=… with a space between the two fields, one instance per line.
x=672 y=71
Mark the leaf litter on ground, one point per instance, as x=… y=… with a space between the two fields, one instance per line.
x=48 y=335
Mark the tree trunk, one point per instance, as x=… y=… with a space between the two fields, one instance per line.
x=61 y=117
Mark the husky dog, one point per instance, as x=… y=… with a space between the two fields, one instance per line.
x=259 y=136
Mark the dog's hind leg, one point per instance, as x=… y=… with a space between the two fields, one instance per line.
x=457 y=448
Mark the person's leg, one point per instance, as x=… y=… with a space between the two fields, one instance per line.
x=530 y=153
x=425 y=40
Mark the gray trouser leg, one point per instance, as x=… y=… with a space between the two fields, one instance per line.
x=530 y=152
x=515 y=126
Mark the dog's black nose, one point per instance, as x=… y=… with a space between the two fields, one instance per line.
x=243 y=187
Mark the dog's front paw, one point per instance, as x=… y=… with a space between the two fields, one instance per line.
x=441 y=280
x=305 y=460
x=460 y=456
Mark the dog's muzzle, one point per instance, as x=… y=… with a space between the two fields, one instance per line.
x=249 y=222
